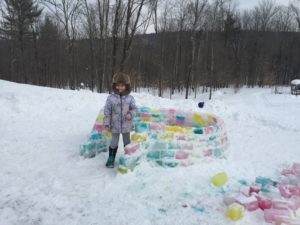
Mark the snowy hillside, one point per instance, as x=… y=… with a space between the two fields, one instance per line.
x=44 y=181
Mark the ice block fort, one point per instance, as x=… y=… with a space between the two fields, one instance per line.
x=164 y=137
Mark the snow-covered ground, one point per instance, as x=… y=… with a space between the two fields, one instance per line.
x=44 y=181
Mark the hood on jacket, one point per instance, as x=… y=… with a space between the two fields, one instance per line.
x=123 y=79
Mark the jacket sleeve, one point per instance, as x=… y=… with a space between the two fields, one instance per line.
x=133 y=107
x=108 y=112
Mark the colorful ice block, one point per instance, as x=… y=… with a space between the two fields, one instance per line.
x=283 y=220
x=182 y=155
x=173 y=128
x=142 y=127
x=131 y=148
x=271 y=215
x=280 y=204
x=235 y=212
x=138 y=137
x=264 y=203
x=99 y=127
x=219 y=179
x=157 y=127
x=285 y=191
x=245 y=190
x=250 y=203
x=265 y=181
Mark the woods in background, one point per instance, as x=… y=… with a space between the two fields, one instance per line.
x=196 y=45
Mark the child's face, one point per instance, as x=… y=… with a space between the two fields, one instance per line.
x=120 y=87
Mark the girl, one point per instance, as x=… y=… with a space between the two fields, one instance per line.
x=119 y=111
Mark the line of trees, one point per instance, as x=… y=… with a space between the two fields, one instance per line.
x=196 y=45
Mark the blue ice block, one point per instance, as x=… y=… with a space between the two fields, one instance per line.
x=265 y=181
x=95 y=136
x=142 y=127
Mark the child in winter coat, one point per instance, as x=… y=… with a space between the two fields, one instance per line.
x=119 y=111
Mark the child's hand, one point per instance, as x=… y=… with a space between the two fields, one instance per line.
x=128 y=116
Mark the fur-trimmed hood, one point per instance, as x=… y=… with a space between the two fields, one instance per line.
x=123 y=79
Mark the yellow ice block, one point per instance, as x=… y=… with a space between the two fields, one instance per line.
x=146 y=119
x=155 y=111
x=100 y=118
x=174 y=128
x=187 y=130
x=167 y=136
x=122 y=170
x=219 y=179
x=197 y=118
x=106 y=133
x=235 y=212
x=138 y=137
x=211 y=118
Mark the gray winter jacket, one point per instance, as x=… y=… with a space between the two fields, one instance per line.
x=115 y=110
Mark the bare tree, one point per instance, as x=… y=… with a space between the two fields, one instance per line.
x=132 y=19
x=91 y=30
x=265 y=11
x=283 y=20
x=67 y=12
x=197 y=7
x=295 y=6
x=181 y=21
x=115 y=30
x=103 y=14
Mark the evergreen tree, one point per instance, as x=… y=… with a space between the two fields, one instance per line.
x=19 y=15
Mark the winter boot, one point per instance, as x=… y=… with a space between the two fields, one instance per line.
x=111 y=158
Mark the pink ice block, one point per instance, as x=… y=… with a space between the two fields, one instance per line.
x=131 y=149
x=181 y=138
x=208 y=152
x=145 y=115
x=254 y=189
x=283 y=220
x=271 y=215
x=296 y=168
x=287 y=172
x=180 y=122
x=209 y=130
x=157 y=126
x=250 y=203
x=245 y=190
x=99 y=127
x=280 y=204
x=182 y=155
x=284 y=190
x=294 y=203
x=172 y=111
x=171 y=121
x=294 y=190
x=264 y=203
x=230 y=198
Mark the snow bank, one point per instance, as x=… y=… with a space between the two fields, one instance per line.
x=295 y=82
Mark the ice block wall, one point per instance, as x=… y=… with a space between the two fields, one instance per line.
x=165 y=137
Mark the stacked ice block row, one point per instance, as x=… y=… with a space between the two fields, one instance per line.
x=98 y=140
x=168 y=137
